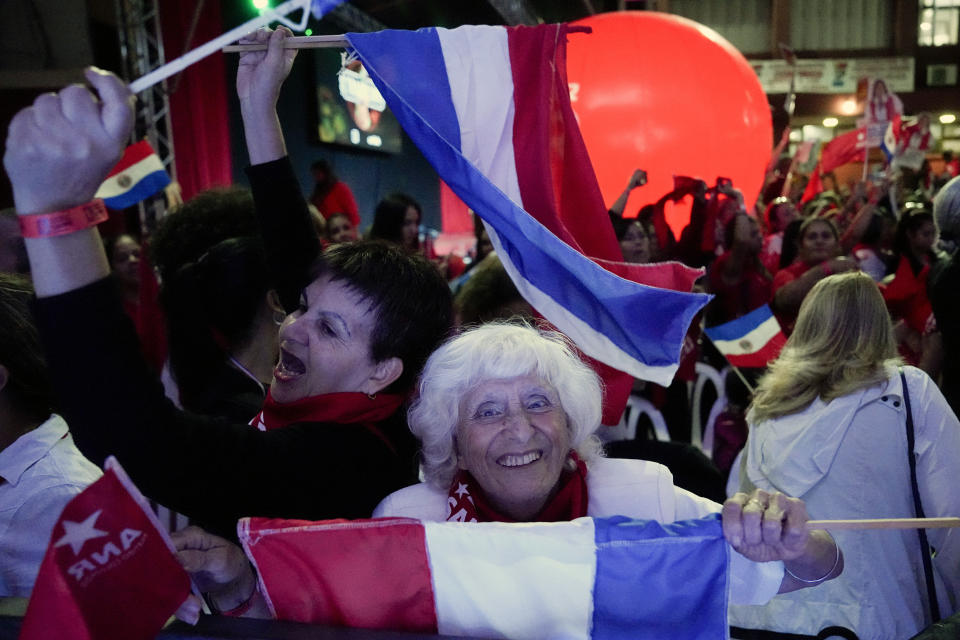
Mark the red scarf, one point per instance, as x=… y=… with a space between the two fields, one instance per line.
x=347 y=407
x=468 y=503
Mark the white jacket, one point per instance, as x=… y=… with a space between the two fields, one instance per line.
x=848 y=459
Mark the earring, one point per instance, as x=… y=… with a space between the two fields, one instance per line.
x=279 y=317
x=372 y=396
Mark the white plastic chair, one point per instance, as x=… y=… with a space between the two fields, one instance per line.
x=627 y=429
x=702 y=431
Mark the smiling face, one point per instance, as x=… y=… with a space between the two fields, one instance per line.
x=512 y=437
x=339 y=229
x=818 y=243
x=325 y=345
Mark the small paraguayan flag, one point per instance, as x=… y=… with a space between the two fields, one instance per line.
x=752 y=340
x=137 y=176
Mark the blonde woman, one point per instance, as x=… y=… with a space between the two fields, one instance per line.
x=828 y=425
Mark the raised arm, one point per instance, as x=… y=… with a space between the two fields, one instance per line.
x=58 y=153
x=638 y=179
x=288 y=235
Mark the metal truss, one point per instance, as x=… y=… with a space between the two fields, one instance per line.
x=141 y=51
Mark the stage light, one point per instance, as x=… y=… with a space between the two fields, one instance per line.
x=260 y=5
x=948 y=118
x=830 y=123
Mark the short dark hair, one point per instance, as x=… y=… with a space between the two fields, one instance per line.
x=28 y=386
x=214 y=282
x=389 y=216
x=409 y=295
x=201 y=222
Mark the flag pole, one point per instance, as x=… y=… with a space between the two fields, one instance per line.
x=885 y=523
x=195 y=55
x=296 y=42
x=734 y=367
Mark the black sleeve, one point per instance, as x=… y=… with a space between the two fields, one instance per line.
x=209 y=469
x=288 y=234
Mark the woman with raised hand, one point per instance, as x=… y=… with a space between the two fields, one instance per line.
x=334 y=439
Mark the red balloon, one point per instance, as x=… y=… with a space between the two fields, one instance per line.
x=662 y=93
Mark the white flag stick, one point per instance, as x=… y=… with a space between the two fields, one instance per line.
x=179 y=64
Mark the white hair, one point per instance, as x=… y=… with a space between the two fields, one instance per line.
x=491 y=352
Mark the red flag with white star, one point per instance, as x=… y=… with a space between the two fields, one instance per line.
x=109 y=570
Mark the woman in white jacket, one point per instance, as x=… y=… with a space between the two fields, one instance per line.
x=828 y=425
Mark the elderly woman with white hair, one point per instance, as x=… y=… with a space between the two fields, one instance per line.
x=506 y=416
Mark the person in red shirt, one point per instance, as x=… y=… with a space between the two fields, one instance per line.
x=818 y=257
x=332 y=196
x=738 y=279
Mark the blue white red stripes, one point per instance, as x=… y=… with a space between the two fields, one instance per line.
x=138 y=175
x=752 y=340
x=461 y=107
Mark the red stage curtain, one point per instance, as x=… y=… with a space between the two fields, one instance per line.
x=198 y=102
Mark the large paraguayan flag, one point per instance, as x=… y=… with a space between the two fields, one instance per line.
x=489 y=108
x=603 y=578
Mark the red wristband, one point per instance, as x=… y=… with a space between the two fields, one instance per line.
x=60 y=223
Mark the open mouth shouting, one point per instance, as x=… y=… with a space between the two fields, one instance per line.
x=289 y=367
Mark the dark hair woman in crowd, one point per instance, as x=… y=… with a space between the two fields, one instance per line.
x=331 y=439
x=633 y=238
x=215 y=291
x=818 y=256
x=906 y=294
x=397 y=220
x=738 y=278
x=330 y=195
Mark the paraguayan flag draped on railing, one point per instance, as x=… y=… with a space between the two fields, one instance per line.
x=489 y=108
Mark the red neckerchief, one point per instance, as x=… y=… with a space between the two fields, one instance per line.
x=347 y=407
x=468 y=503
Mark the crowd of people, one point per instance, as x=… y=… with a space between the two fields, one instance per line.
x=306 y=373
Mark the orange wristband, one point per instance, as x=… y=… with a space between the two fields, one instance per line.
x=60 y=223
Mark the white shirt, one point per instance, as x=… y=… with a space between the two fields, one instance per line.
x=633 y=488
x=848 y=459
x=43 y=470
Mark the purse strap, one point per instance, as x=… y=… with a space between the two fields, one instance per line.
x=924 y=545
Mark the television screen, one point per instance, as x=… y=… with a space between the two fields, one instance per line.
x=350 y=110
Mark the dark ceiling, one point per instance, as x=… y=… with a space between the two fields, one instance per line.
x=413 y=14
